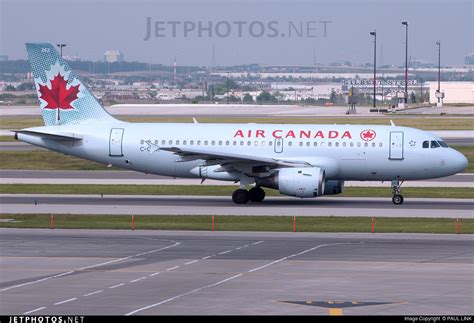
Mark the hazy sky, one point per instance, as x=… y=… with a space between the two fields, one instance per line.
x=243 y=31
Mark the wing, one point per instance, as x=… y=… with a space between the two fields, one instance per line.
x=225 y=158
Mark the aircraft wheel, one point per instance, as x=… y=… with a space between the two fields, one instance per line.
x=240 y=196
x=256 y=194
x=397 y=199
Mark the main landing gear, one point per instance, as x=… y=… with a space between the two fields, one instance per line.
x=396 y=191
x=242 y=196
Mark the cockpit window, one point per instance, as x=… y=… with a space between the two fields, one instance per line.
x=426 y=144
x=443 y=144
x=434 y=144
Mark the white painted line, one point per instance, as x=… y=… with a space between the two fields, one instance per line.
x=182 y=295
x=172 y=268
x=93 y=293
x=154 y=274
x=256 y=243
x=115 y=286
x=296 y=254
x=66 y=301
x=246 y=246
x=138 y=279
x=269 y=264
x=203 y=258
x=191 y=262
x=238 y=248
x=224 y=252
x=35 y=310
x=89 y=267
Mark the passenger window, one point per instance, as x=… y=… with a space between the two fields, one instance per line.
x=337 y=144
x=170 y=142
x=434 y=144
x=184 y=142
x=191 y=142
x=315 y=144
x=426 y=144
x=290 y=143
x=199 y=142
x=177 y=142
x=163 y=142
x=329 y=144
x=270 y=143
x=373 y=144
x=308 y=143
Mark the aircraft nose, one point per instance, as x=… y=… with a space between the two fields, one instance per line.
x=459 y=161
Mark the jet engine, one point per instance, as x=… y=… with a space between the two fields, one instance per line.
x=299 y=182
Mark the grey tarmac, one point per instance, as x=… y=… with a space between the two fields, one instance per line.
x=223 y=205
x=85 y=272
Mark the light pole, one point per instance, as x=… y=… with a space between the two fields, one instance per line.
x=406 y=60
x=421 y=90
x=374 y=33
x=61 y=48
x=439 y=70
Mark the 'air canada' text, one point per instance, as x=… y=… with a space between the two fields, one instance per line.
x=294 y=134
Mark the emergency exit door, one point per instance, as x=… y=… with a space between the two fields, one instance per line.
x=396 y=145
x=115 y=143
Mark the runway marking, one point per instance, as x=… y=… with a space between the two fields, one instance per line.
x=224 y=252
x=93 y=293
x=191 y=262
x=172 y=268
x=154 y=274
x=138 y=279
x=295 y=255
x=256 y=243
x=115 y=286
x=89 y=267
x=66 y=301
x=233 y=277
x=35 y=310
x=203 y=258
x=182 y=295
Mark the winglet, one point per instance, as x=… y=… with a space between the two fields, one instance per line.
x=392 y=123
x=194 y=120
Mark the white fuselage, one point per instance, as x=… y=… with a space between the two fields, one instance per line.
x=345 y=152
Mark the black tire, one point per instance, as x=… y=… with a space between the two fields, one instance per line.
x=240 y=196
x=397 y=199
x=256 y=194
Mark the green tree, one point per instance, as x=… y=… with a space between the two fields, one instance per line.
x=247 y=98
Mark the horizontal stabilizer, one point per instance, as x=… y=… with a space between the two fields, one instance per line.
x=52 y=136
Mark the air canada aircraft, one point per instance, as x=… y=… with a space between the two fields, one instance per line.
x=298 y=160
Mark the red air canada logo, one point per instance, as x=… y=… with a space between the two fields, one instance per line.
x=368 y=135
x=59 y=96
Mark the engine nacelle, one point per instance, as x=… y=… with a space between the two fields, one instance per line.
x=333 y=187
x=299 y=182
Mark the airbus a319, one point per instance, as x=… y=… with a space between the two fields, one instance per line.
x=298 y=160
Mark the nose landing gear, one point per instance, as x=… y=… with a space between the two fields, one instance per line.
x=396 y=191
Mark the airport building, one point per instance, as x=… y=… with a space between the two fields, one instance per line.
x=454 y=92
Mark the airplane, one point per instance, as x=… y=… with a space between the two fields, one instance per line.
x=301 y=160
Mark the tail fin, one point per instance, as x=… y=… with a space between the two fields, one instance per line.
x=63 y=98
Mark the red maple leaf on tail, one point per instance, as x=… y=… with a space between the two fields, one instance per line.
x=59 y=97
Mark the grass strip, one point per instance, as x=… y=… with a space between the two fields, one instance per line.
x=218 y=190
x=239 y=223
